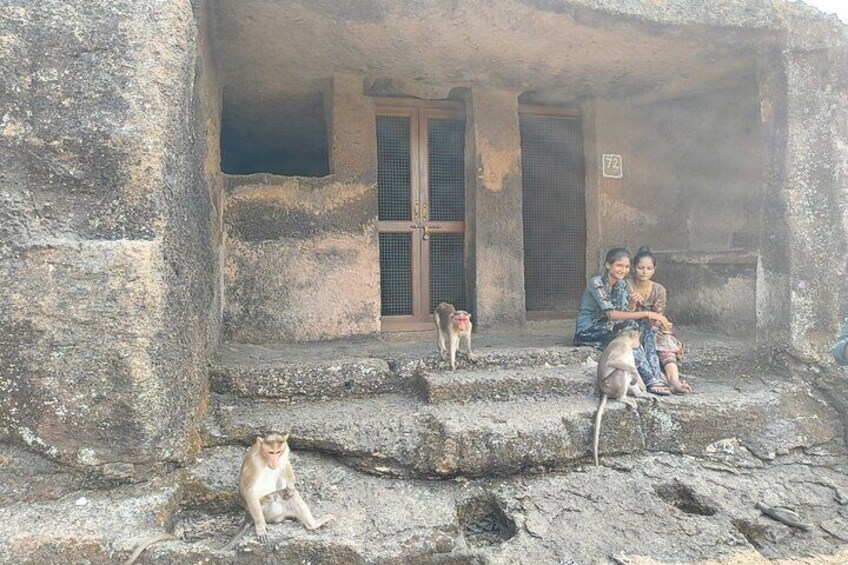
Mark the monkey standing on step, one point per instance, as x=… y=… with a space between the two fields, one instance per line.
x=451 y=325
x=266 y=486
x=617 y=375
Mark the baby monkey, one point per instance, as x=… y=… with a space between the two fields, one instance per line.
x=617 y=375
x=451 y=325
x=266 y=486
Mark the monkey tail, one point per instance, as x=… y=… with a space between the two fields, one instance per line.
x=245 y=524
x=598 y=415
x=147 y=543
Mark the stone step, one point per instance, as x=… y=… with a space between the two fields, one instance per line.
x=506 y=384
x=398 y=435
x=341 y=378
x=296 y=373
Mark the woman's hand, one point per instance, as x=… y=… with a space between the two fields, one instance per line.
x=635 y=300
x=662 y=320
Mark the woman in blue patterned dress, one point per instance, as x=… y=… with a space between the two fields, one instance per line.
x=606 y=308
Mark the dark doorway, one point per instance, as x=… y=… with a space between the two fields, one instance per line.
x=554 y=210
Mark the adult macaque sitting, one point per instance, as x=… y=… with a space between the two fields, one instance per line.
x=266 y=486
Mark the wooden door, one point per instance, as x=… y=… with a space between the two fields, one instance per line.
x=421 y=210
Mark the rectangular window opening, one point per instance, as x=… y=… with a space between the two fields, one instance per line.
x=285 y=136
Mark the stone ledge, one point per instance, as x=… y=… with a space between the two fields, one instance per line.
x=344 y=378
x=398 y=436
x=87 y=526
x=693 y=510
x=500 y=357
x=300 y=373
x=690 y=510
x=505 y=384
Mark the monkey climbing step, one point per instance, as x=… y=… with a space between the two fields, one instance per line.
x=400 y=435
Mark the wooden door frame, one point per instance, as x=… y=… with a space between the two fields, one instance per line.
x=418 y=112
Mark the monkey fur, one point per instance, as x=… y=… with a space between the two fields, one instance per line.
x=266 y=486
x=617 y=375
x=452 y=325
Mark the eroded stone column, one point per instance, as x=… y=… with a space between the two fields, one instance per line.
x=353 y=136
x=817 y=182
x=773 y=310
x=498 y=230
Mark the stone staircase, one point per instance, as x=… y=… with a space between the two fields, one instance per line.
x=492 y=463
x=515 y=409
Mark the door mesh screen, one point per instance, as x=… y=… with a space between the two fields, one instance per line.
x=446 y=163
x=554 y=224
x=447 y=273
x=396 y=274
x=393 y=180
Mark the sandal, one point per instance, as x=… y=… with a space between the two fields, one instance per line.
x=659 y=390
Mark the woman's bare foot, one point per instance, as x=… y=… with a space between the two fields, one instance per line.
x=680 y=387
x=672 y=378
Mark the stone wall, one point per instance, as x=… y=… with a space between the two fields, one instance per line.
x=106 y=259
x=302 y=254
x=691 y=191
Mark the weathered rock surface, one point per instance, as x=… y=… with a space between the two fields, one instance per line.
x=106 y=252
x=28 y=477
x=86 y=526
x=395 y=434
x=651 y=509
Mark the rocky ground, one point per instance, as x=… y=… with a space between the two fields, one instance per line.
x=491 y=464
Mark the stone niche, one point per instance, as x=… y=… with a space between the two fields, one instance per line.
x=690 y=189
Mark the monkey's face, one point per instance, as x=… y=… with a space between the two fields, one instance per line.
x=461 y=319
x=273 y=447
